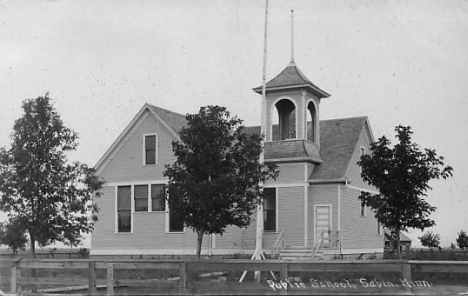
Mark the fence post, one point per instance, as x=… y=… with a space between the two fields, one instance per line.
x=15 y=277
x=110 y=279
x=92 y=278
x=406 y=272
x=190 y=287
x=284 y=276
x=182 y=278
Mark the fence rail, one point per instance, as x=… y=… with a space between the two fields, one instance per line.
x=188 y=279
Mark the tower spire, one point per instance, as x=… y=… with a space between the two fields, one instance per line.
x=292 y=38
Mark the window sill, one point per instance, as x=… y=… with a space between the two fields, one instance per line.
x=123 y=233
x=149 y=212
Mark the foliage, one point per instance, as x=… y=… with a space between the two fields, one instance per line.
x=462 y=240
x=13 y=236
x=216 y=179
x=430 y=240
x=50 y=199
x=401 y=174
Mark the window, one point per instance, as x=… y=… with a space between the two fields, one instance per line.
x=269 y=209
x=150 y=149
x=379 y=228
x=175 y=223
x=363 y=210
x=363 y=152
x=141 y=198
x=124 y=207
x=158 y=198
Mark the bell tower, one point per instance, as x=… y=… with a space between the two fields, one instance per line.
x=295 y=101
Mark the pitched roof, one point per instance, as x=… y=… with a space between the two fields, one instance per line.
x=338 y=140
x=173 y=120
x=292 y=77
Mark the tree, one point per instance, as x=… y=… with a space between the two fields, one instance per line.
x=401 y=174
x=13 y=236
x=462 y=240
x=39 y=190
x=430 y=240
x=217 y=178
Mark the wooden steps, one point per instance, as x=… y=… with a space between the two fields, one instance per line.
x=299 y=253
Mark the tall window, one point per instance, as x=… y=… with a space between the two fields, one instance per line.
x=150 y=149
x=175 y=223
x=379 y=228
x=363 y=210
x=141 y=198
x=311 y=122
x=124 y=205
x=269 y=209
x=363 y=152
x=158 y=198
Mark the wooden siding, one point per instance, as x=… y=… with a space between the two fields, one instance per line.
x=289 y=173
x=126 y=163
x=290 y=209
x=310 y=169
x=323 y=194
x=238 y=239
x=359 y=232
x=290 y=216
x=353 y=173
x=148 y=230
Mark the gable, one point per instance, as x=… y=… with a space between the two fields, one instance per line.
x=353 y=171
x=338 y=140
x=124 y=159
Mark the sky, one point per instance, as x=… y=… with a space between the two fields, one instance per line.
x=397 y=62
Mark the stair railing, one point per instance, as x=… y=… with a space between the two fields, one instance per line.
x=279 y=243
x=318 y=245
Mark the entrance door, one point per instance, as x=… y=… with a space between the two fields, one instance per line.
x=323 y=225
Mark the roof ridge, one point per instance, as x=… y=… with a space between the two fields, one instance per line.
x=167 y=110
x=346 y=118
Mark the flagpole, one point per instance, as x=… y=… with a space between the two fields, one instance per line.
x=260 y=222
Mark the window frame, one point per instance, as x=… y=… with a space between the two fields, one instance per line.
x=117 y=210
x=363 y=211
x=156 y=140
x=276 y=211
x=150 y=198
x=147 y=198
x=362 y=151
x=168 y=230
x=379 y=228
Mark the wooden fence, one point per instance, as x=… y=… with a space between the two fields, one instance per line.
x=188 y=275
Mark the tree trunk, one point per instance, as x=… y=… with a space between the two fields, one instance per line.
x=397 y=238
x=33 y=254
x=199 y=242
x=33 y=246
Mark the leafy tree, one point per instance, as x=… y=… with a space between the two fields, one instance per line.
x=462 y=240
x=401 y=174
x=430 y=240
x=13 y=236
x=216 y=179
x=45 y=195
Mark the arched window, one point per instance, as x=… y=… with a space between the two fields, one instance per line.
x=284 y=127
x=311 y=122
